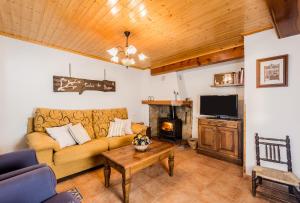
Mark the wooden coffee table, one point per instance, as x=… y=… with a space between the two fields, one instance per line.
x=127 y=161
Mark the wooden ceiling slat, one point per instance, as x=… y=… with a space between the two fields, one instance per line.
x=86 y=27
x=56 y=24
x=40 y=19
x=77 y=25
x=65 y=35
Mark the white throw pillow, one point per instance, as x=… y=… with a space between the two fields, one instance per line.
x=116 y=129
x=79 y=134
x=62 y=135
x=127 y=125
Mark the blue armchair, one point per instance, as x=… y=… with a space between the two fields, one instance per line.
x=34 y=186
x=15 y=163
x=24 y=180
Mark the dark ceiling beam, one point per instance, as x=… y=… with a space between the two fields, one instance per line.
x=285 y=16
x=211 y=58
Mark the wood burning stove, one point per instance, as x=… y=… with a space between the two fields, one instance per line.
x=170 y=127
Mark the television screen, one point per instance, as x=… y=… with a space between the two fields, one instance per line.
x=223 y=105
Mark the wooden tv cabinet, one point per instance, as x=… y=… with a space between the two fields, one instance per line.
x=221 y=139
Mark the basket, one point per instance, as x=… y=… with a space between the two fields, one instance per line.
x=193 y=142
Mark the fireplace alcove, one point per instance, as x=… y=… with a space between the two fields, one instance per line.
x=167 y=117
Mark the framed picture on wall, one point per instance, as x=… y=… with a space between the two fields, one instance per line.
x=272 y=72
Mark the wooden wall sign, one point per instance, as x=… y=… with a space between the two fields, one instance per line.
x=70 y=84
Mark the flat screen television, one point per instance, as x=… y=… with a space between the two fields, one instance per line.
x=219 y=105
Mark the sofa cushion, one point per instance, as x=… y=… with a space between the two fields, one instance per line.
x=77 y=152
x=102 y=118
x=116 y=142
x=47 y=118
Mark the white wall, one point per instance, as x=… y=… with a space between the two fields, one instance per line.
x=26 y=72
x=190 y=83
x=272 y=112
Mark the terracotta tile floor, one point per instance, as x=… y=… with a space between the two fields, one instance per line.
x=197 y=178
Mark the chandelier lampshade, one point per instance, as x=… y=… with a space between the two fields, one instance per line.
x=131 y=50
x=115 y=59
x=125 y=54
x=142 y=57
x=113 y=51
x=128 y=61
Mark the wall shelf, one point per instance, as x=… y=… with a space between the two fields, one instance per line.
x=229 y=85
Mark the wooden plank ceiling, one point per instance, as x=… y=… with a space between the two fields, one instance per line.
x=167 y=31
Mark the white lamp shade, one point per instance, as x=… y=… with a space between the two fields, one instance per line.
x=131 y=50
x=115 y=59
x=142 y=57
x=128 y=61
x=113 y=51
x=132 y=61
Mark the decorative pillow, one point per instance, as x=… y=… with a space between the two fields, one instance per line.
x=126 y=124
x=102 y=118
x=116 y=129
x=79 y=134
x=62 y=135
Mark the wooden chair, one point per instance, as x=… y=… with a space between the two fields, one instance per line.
x=272 y=148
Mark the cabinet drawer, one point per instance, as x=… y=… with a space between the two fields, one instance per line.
x=208 y=122
x=228 y=124
x=219 y=123
x=203 y=122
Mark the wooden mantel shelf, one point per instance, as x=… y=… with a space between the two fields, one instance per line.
x=168 y=102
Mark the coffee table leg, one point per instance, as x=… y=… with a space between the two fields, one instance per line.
x=107 y=173
x=126 y=181
x=171 y=163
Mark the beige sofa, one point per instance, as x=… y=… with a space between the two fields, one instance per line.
x=76 y=158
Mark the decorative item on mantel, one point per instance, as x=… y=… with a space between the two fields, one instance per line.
x=176 y=94
x=151 y=98
x=70 y=84
x=229 y=79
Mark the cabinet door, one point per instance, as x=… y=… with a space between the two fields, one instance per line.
x=228 y=141
x=208 y=136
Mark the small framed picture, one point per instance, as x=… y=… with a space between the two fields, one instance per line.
x=272 y=72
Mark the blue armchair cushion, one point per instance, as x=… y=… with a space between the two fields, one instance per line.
x=20 y=171
x=34 y=186
x=17 y=160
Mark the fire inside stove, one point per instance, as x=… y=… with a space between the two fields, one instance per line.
x=167 y=126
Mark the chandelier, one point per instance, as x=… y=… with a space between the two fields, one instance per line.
x=125 y=54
